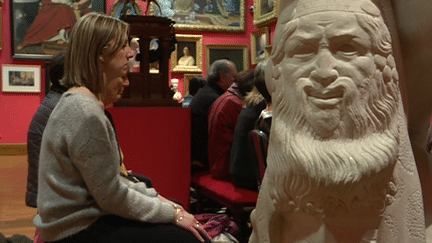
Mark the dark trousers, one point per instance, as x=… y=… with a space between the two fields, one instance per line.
x=114 y=229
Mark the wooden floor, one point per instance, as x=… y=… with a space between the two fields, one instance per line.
x=15 y=216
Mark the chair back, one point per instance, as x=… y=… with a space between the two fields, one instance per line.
x=258 y=142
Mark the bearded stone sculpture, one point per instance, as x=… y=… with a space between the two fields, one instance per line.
x=340 y=164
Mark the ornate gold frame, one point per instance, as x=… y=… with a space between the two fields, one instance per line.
x=254 y=35
x=186 y=79
x=226 y=49
x=198 y=39
x=262 y=19
x=223 y=25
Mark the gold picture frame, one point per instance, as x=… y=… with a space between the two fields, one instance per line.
x=223 y=17
x=186 y=79
x=192 y=63
x=238 y=54
x=259 y=42
x=265 y=12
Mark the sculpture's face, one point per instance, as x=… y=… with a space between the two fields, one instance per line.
x=326 y=69
x=334 y=89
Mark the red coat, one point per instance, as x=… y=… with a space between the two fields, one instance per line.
x=223 y=116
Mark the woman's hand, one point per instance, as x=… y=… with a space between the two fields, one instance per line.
x=187 y=221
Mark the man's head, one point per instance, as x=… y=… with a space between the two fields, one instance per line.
x=195 y=84
x=222 y=72
x=245 y=81
x=56 y=71
x=335 y=93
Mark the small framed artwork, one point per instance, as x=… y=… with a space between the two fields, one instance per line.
x=42 y=31
x=188 y=55
x=259 y=42
x=265 y=12
x=21 y=78
x=186 y=79
x=238 y=54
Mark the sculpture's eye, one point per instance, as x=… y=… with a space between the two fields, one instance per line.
x=347 y=49
x=303 y=51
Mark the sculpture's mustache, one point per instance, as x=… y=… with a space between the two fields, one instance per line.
x=342 y=87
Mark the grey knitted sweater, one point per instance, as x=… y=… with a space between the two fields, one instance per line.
x=79 y=173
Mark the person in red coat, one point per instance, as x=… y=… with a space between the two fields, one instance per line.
x=222 y=121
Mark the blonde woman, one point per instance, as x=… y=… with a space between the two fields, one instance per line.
x=82 y=195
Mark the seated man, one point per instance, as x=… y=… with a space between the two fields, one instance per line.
x=219 y=78
x=223 y=116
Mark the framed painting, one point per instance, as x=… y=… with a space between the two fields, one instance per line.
x=42 y=32
x=188 y=55
x=21 y=78
x=238 y=54
x=203 y=15
x=186 y=79
x=259 y=42
x=265 y=12
x=132 y=8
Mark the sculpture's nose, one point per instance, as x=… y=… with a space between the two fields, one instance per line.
x=324 y=72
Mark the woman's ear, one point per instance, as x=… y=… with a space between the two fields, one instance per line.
x=101 y=59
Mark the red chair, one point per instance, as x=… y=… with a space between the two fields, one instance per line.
x=258 y=142
x=239 y=201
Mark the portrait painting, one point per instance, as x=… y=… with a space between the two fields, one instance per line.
x=265 y=12
x=238 y=54
x=203 y=15
x=41 y=31
x=187 y=56
x=259 y=43
x=21 y=78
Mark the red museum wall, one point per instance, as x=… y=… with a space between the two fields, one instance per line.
x=17 y=109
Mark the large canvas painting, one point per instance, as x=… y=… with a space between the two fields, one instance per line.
x=203 y=15
x=40 y=29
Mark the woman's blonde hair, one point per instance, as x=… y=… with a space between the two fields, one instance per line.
x=90 y=36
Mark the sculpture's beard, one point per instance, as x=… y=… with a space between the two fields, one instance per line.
x=348 y=168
